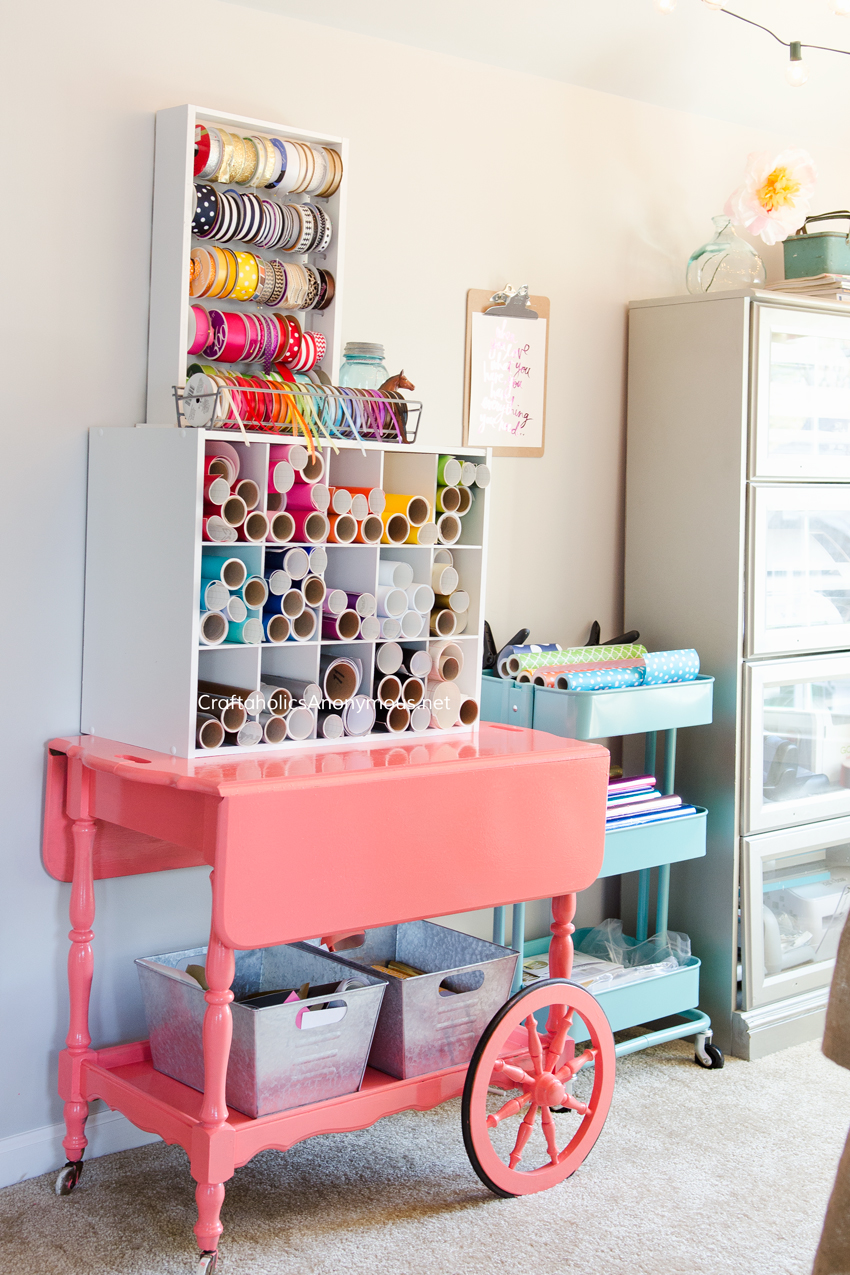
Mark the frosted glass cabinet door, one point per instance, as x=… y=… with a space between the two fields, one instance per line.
x=799 y=588
x=795 y=894
x=797 y=742
x=802 y=395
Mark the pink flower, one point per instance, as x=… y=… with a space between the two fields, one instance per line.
x=774 y=199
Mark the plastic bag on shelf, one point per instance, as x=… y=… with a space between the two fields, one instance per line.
x=628 y=962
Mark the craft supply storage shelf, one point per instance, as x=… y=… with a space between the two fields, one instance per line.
x=142 y=655
x=172 y=243
x=737 y=513
x=598 y=715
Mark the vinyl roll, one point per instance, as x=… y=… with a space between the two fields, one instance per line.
x=249 y=736
x=420 y=718
x=344 y=627
x=313 y=470
x=343 y=529
x=370 y=628
x=359 y=506
x=448 y=661
x=358 y=716
x=444 y=579
x=467 y=473
x=233 y=511
x=232 y=714
x=417 y=663
x=236 y=610
x=388 y=690
x=449 y=528
x=461 y=622
x=300 y=723
x=222 y=693
x=231 y=571
x=341 y=501
x=457 y=601
x=393 y=571
x=482 y=476
x=396 y=528
x=213 y=628
x=311 y=526
x=448 y=499
x=214 y=595
x=390 y=628
x=444 y=556
x=420 y=597
x=254 y=593
x=246 y=489
x=309 y=496
x=296 y=563
x=335 y=602
x=275 y=503
x=464 y=502
x=314 y=590
x=416 y=509
x=448 y=471
x=281 y=528
x=249 y=631
x=391 y=601
x=412 y=624
x=425 y=535
x=412 y=691
x=341 y=677
x=393 y=718
x=468 y=714
x=209 y=732
x=295 y=454
x=376 y=498
x=299 y=691
x=217 y=531
x=445 y=699
x=443 y=622
x=276 y=628
x=388 y=658
x=330 y=724
x=255 y=528
x=318 y=560
x=216 y=490
x=230 y=454
x=219 y=466
x=370 y=531
x=304 y=626
x=291 y=604
x=274 y=728
x=363 y=603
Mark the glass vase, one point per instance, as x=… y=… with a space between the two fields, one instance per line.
x=724 y=262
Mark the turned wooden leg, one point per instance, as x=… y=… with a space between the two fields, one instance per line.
x=560 y=949
x=80 y=969
x=218 y=1030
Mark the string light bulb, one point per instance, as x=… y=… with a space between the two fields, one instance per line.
x=665 y=6
x=796 y=72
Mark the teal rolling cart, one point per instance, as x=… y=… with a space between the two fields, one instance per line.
x=644 y=710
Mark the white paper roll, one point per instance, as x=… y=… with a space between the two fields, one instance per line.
x=420 y=597
x=444 y=578
x=482 y=476
x=391 y=601
x=420 y=718
x=459 y=600
x=418 y=663
x=446 y=699
x=444 y=556
x=390 y=628
x=297 y=563
x=300 y=723
x=412 y=623
x=248 y=736
x=388 y=657
x=213 y=627
x=461 y=622
x=370 y=628
x=279 y=582
x=392 y=571
x=467 y=473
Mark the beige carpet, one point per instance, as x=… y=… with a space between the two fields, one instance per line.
x=696 y=1173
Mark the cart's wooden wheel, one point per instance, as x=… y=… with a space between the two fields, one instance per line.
x=515 y=1144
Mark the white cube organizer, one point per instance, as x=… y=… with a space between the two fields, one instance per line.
x=142 y=654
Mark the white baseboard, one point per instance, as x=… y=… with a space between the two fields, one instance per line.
x=26 y=1155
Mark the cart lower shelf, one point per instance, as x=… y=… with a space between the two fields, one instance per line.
x=125 y=1079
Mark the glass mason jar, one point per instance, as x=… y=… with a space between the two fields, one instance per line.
x=363 y=366
x=724 y=262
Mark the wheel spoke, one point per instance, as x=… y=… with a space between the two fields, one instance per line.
x=511 y=1108
x=511 y=1072
x=522 y=1137
x=534 y=1047
x=558 y=1041
x=549 y=1130
x=574 y=1066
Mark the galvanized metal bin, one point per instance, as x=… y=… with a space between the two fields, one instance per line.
x=435 y=1020
x=283 y=1055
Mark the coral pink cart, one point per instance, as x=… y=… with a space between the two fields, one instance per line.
x=495 y=817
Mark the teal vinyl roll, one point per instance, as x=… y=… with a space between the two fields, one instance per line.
x=249 y=631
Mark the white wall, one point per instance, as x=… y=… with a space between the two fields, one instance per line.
x=460 y=177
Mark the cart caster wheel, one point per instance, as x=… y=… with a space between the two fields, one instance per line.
x=69 y=1177
x=712 y=1059
x=207 y=1263
x=497 y=1131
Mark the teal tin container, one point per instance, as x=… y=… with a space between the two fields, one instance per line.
x=825 y=252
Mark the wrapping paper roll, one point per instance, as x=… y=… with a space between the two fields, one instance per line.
x=343 y=529
x=295 y=562
x=444 y=556
x=231 y=571
x=392 y=571
x=216 y=490
x=359 y=506
x=236 y=610
x=218 y=699
x=388 y=658
x=313 y=471
x=248 y=736
x=604 y=679
x=225 y=450
x=544 y=657
x=275 y=503
x=467 y=473
x=277 y=699
x=412 y=691
x=670 y=666
x=220 y=466
x=461 y=621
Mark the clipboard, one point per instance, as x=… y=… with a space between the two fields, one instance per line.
x=504 y=389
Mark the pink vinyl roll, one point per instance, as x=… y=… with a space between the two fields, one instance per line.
x=218 y=531
x=281 y=528
x=215 y=448
x=255 y=528
x=308 y=496
x=313 y=471
x=311 y=526
x=233 y=510
x=216 y=490
x=221 y=467
x=281 y=477
x=295 y=453
x=248 y=491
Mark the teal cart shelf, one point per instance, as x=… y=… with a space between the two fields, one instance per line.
x=600 y=715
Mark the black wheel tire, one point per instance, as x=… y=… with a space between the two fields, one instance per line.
x=69 y=1177
x=717 y=1059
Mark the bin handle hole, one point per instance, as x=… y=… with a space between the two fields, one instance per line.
x=321 y=1015
x=457 y=984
